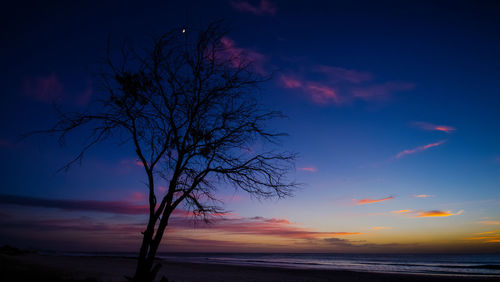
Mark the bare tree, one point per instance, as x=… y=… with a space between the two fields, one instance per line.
x=188 y=105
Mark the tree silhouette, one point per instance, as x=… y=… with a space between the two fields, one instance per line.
x=188 y=105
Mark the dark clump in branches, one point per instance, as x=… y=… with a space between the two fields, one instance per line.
x=187 y=105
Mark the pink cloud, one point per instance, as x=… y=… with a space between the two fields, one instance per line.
x=308 y=169
x=138 y=197
x=431 y=127
x=43 y=88
x=128 y=162
x=422 y=196
x=381 y=91
x=281 y=228
x=369 y=201
x=238 y=56
x=340 y=85
x=265 y=7
x=319 y=93
x=418 y=149
x=322 y=94
x=338 y=74
x=290 y=82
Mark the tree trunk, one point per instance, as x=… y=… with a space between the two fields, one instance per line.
x=143 y=269
x=145 y=272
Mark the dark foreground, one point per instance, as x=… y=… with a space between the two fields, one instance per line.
x=33 y=267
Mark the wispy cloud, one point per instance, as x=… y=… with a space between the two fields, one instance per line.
x=308 y=169
x=341 y=75
x=264 y=7
x=422 y=196
x=381 y=227
x=118 y=207
x=326 y=85
x=437 y=213
x=369 y=201
x=278 y=227
x=487 y=237
x=418 y=149
x=431 y=127
x=43 y=88
x=401 y=211
x=319 y=93
x=381 y=91
x=490 y=222
x=238 y=56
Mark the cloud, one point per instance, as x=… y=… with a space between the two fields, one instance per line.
x=326 y=85
x=340 y=75
x=490 y=222
x=308 y=169
x=43 y=88
x=281 y=228
x=290 y=82
x=437 y=213
x=488 y=237
x=118 y=207
x=432 y=127
x=319 y=93
x=322 y=94
x=418 y=149
x=265 y=7
x=401 y=211
x=422 y=196
x=369 y=201
x=238 y=56
x=131 y=161
x=381 y=91
x=381 y=227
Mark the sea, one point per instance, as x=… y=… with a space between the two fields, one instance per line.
x=485 y=265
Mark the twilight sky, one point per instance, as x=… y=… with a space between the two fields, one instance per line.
x=393 y=108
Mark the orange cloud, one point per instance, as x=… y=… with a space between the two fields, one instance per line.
x=418 y=149
x=431 y=127
x=369 y=201
x=437 y=213
x=488 y=237
x=401 y=211
x=490 y=222
x=381 y=227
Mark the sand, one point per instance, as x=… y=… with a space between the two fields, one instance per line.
x=33 y=267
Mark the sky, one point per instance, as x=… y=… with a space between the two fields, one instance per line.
x=392 y=106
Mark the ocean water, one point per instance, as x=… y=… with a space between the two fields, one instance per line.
x=437 y=264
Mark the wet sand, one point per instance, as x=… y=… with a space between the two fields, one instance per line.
x=33 y=267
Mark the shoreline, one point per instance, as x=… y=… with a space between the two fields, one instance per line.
x=95 y=268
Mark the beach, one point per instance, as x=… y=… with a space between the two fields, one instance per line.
x=35 y=267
